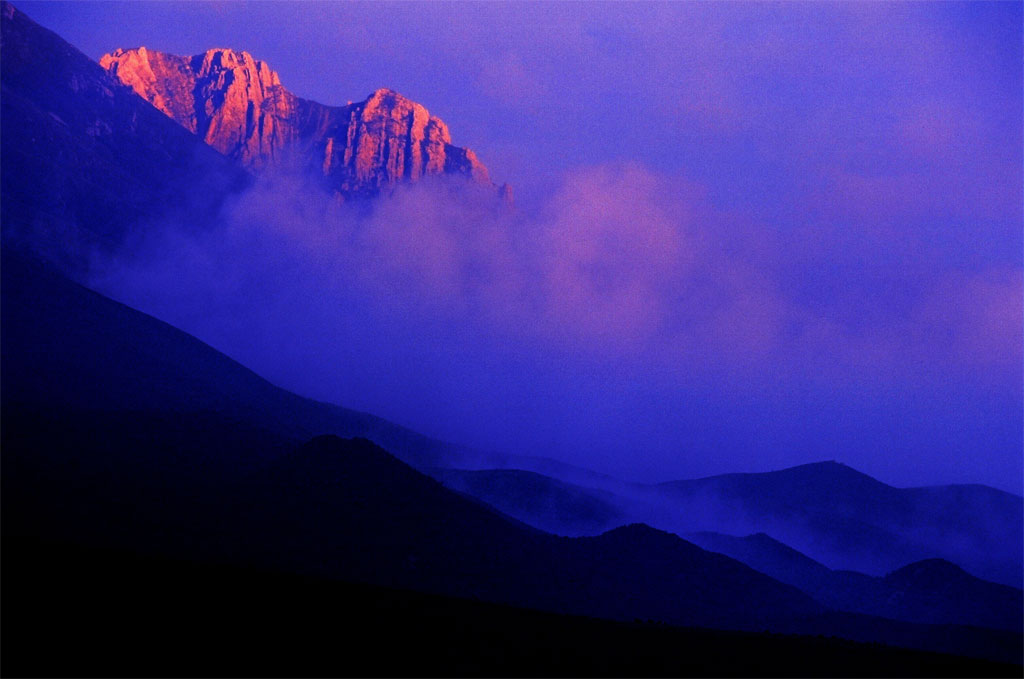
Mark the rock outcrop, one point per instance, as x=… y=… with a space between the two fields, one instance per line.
x=237 y=105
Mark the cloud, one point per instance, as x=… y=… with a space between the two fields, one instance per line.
x=976 y=320
x=585 y=325
x=621 y=260
x=508 y=80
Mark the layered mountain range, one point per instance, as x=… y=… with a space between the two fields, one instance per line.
x=237 y=105
x=146 y=474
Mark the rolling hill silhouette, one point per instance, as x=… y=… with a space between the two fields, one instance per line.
x=156 y=420
x=848 y=520
x=929 y=591
x=71 y=345
x=94 y=390
x=197 y=479
x=830 y=512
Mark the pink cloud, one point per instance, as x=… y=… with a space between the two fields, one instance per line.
x=509 y=80
x=976 y=320
x=623 y=264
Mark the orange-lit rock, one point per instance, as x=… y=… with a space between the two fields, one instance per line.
x=238 y=106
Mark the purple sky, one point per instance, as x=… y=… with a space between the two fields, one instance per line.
x=756 y=234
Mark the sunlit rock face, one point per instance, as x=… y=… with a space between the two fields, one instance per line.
x=237 y=105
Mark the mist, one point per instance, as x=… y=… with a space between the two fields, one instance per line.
x=629 y=325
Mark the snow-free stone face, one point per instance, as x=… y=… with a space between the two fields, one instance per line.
x=237 y=105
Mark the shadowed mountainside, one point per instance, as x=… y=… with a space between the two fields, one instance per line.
x=84 y=159
x=828 y=511
x=201 y=479
x=929 y=591
x=846 y=519
x=66 y=347
x=93 y=389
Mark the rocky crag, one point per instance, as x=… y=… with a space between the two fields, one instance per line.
x=237 y=105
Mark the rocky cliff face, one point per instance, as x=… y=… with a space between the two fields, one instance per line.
x=238 y=106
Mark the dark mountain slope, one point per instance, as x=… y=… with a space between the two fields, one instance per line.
x=108 y=473
x=828 y=510
x=846 y=519
x=66 y=346
x=106 y=408
x=84 y=159
x=943 y=593
x=931 y=591
x=765 y=554
x=935 y=590
x=408 y=529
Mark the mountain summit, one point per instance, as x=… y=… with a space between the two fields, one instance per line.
x=237 y=105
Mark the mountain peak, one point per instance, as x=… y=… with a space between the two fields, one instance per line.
x=928 y=570
x=237 y=105
x=213 y=94
x=825 y=465
x=827 y=471
x=228 y=55
x=223 y=58
x=213 y=59
x=639 y=532
x=382 y=92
